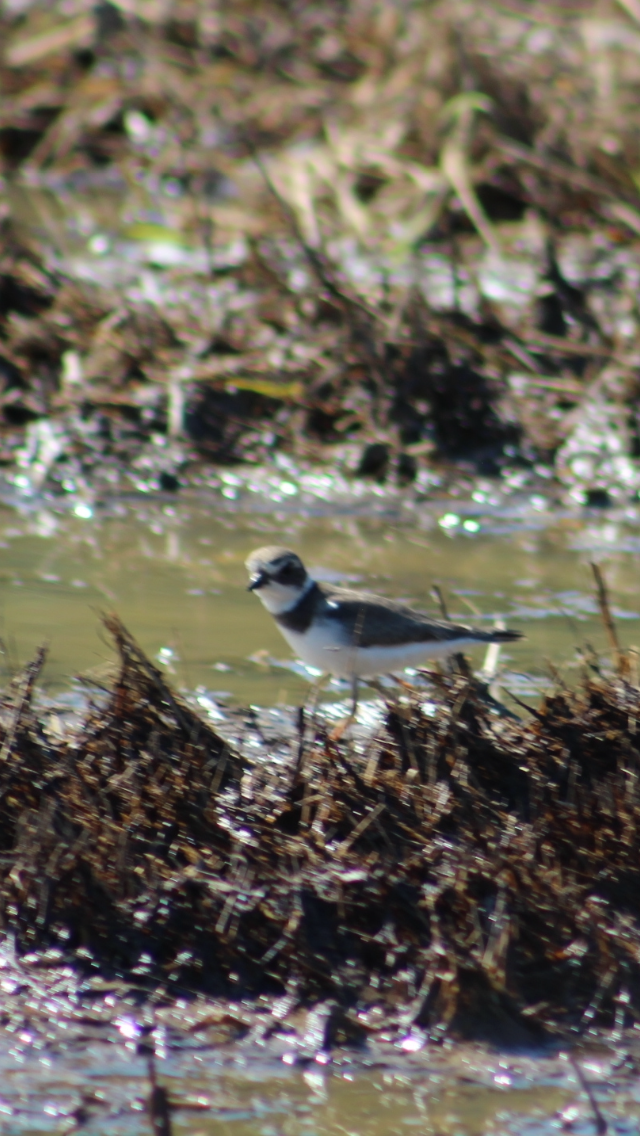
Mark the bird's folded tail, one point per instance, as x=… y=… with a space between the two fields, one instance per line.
x=502 y=636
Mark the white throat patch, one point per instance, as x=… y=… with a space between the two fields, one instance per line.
x=278 y=598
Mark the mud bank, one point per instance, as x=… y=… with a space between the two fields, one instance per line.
x=390 y=239
x=457 y=872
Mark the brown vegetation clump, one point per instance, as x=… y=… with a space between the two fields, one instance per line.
x=466 y=872
x=320 y=161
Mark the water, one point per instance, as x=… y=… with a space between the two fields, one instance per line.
x=469 y=1093
x=175 y=574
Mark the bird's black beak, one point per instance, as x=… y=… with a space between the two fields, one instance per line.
x=258 y=581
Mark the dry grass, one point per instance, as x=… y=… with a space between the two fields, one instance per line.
x=469 y=873
x=342 y=145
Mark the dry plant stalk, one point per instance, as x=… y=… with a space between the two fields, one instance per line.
x=619 y=656
x=481 y=871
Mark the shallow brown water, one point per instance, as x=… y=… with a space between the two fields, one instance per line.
x=175 y=574
x=471 y=1093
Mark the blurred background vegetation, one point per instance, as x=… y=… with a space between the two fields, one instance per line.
x=406 y=229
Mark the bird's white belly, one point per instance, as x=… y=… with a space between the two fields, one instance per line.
x=319 y=648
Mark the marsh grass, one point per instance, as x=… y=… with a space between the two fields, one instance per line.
x=468 y=873
x=342 y=147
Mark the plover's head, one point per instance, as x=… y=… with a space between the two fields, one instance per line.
x=278 y=576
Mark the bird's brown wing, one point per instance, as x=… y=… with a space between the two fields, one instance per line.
x=372 y=621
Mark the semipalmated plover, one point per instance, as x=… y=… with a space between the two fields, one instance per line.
x=348 y=633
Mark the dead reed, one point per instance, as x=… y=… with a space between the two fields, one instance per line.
x=469 y=873
x=314 y=139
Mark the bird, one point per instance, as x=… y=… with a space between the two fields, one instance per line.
x=352 y=634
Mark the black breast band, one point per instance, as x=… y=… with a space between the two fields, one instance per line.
x=299 y=618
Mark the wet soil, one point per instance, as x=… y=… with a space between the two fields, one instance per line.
x=338 y=869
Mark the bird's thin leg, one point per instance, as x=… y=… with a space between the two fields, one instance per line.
x=354 y=695
x=339 y=730
x=312 y=701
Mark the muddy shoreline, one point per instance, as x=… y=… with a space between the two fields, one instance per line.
x=263 y=898
x=93 y=795
x=383 y=252
x=435 y=875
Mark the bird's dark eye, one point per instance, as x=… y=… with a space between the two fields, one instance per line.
x=289 y=573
